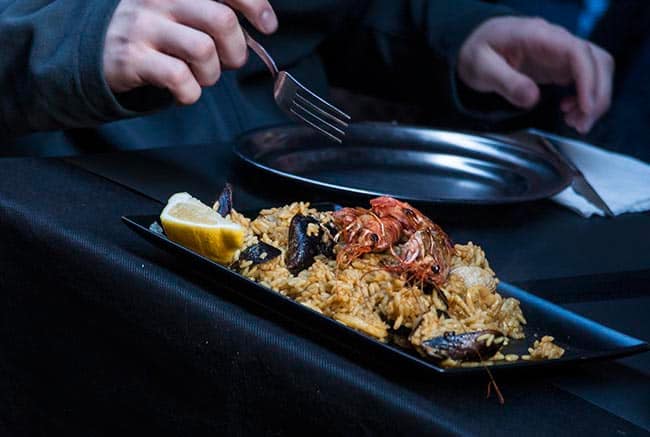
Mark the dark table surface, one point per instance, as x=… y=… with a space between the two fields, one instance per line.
x=103 y=334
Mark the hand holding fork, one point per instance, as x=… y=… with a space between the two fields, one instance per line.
x=183 y=45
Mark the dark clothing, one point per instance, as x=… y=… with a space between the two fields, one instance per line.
x=51 y=70
x=623 y=30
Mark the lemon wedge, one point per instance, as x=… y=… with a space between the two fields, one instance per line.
x=191 y=223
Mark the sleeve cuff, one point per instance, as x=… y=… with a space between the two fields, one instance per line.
x=486 y=107
x=100 y=99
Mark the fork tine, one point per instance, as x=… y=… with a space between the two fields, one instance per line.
x=325 y=105
x=316 y=122
x=324 y=132
x=319 y=109
x=319 y=120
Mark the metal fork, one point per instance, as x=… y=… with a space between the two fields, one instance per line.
x=300 y=103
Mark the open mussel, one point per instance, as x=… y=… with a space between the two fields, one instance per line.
x=470 y=346
x=307 y=239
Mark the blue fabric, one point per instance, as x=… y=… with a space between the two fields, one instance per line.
x=592 y=11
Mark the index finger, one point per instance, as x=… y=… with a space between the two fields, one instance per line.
x=258 y=12
x=220 y=22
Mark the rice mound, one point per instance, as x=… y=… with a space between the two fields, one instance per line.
x=365 y=297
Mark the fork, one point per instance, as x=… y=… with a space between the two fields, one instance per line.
x=300 y=103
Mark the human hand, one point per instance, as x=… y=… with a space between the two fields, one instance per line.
x=511 y=55
x=180 y=45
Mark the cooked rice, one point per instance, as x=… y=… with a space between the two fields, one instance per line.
x=366 y=297
x=545 y=349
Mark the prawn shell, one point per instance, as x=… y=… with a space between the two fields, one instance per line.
x=463 y=347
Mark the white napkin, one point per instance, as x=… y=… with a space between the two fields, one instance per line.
x=621 y=181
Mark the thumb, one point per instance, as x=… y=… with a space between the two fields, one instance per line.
x=493 y=73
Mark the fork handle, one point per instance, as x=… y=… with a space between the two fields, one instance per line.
x=262 y=53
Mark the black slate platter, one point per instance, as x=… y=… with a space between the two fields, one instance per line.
x=583 y=339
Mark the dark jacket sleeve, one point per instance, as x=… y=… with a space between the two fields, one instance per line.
x=406 y=50
x=51 y=66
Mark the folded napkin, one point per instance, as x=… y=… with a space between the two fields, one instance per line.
x=621 y=181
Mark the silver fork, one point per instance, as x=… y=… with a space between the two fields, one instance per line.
x=300 y=103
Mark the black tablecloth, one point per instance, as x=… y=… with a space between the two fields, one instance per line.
x=102 y=334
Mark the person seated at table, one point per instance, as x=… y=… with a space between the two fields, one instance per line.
x=622 y=27
x=89 y=75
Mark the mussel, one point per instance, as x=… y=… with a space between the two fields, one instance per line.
x=470 y=346
x=225 y=201
x=259 y=253
x=304 y=246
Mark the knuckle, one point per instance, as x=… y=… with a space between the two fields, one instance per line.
x=125 y=54
x=203 y=49
x=240 y=58
x=577 y=49
x=539 y=22
x=537 y=32
x=136 y=22
x=150 y=4
x=177 y=75
x=214 y=77
x=226 y=19
x=537 y=26
x=189 y=96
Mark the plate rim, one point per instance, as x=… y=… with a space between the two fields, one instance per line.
x=639 y=346
x=545 y=193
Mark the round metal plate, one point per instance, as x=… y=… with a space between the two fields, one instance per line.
x=410 y=163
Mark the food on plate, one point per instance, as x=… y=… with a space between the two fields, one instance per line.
x=387 y=271
x=545 y=349
x=189 y=222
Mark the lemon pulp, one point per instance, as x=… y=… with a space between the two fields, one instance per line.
x=191 y=223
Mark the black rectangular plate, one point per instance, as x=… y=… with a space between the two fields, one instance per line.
x=583 y=339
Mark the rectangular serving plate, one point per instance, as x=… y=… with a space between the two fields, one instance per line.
x=582 y=338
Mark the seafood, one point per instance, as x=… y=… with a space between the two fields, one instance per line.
x=409 y=285
x=470 y=346
x=421 y=249
x=223 y=205
x=475 y=276
x=307 y=239
x=259 y=253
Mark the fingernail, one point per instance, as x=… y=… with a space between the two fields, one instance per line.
x=268 y=21
x=582 y=128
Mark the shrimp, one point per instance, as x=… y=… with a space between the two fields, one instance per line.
x=420 y=248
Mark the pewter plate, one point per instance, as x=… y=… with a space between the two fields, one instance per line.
x=410 y=163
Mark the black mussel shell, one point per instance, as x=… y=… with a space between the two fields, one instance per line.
x=259 y=253
x=225 y=201
x=303 y=248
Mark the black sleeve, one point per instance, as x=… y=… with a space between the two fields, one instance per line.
x=407 y=50
x=51 y=74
